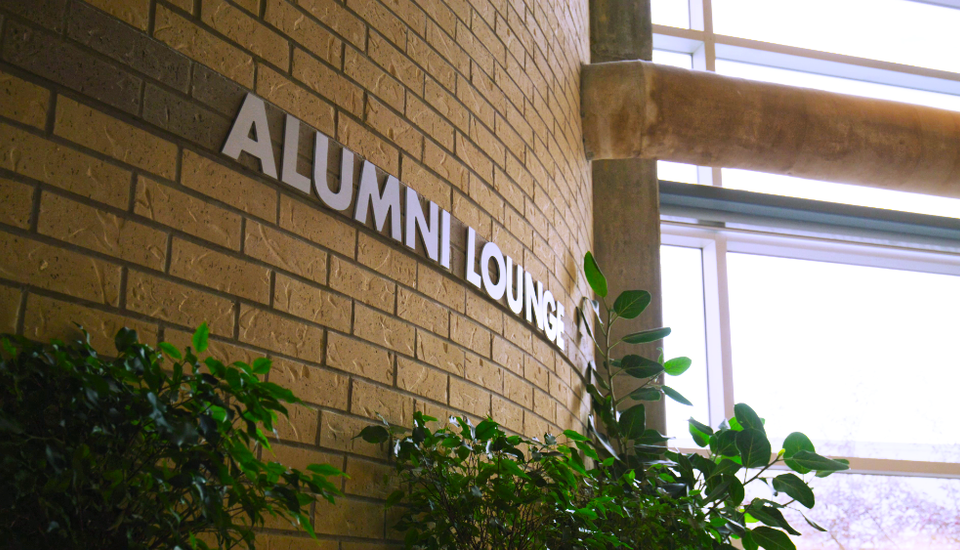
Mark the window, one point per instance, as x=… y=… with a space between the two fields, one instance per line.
x=851 y=338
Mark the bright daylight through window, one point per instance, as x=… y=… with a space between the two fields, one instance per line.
x=850 y=338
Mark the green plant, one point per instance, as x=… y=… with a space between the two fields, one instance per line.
x=710 y=485
x=151 y=449
x=478 y=488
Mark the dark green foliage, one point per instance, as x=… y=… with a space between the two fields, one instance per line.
x=151 y=449
x=708 y=491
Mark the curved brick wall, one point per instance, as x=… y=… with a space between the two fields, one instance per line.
x=118 y=208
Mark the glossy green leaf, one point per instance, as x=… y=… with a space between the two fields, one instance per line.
x=374 y=434
x=677 y=366
x=633 y=422
x=814 y=462
x=647 y=336
x=170 y=350
x=747 y=417
x=595 y=277
x=748 y=542
x=794 y=443
x=754 y=448
x=700 y=437
x=631 y=303
x=825 y=473
x=646 y=394
x=772 y=539
x=675 y=395
x=640 y=367
x=725 y=443
x=200 y=338
x=795 y=487
x=813 y=524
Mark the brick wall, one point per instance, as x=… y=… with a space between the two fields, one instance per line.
x=117 y=208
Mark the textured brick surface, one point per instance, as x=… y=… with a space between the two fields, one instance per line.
x=16 y=203
x=219 y=271
x=23 y=101
x=87 y=227
x=42 y=54
x=105 y=134
x=127 y=45
x=174 y=208
x=473 y=104
x=179 y=303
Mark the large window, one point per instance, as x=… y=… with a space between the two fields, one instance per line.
x=853 y=339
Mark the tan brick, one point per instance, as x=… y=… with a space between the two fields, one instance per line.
x=475 y=103
x=37 y=158
x=472 y=216
x=310 y=222
x=473 y=157
x=443 y=289
x=203 y=47
x=446 y=165
x=544 y=405
x=409 y=12
x=507 y=355
x=228 y=186
x=448 y=48
x=484 y=373
x=370 y=479
x=134 y=12
x=383 y=330
x=470 y=335
x=9 y=309
x=376 y=401
x=105 y=134
x=395 y=62
x=311 y=303
x=265 y=330
x=299 y=458
x=352 y=518
x=429 y=121
x=486 y=198
x=474 y=48
x=23 y=101
x=187 y=5
x=57 y=269
x=290 y=542
x=518 y=390
x=173 y=208
x=314 y=385
x=16 y=203
x=534 y=426
x=535 y=372
x=387 y=260
x=380 y=18
x=509 y=245
x=327 y=82
x=508 y=190
x=101 y=231
x=432 y=62
x=332 y=14
x=279 y=249
x=417 y=309
x=162 y=299
x=469 y=398
x=338 y=432
x=47 y=318
x=356 y=357
x=430 y=187
x=295 y=99
x=518 y=227
x=391 y=125
x=507 y=414
x=446 y=104
x=421 y=380
x=440 y=353
x=357 y=138
x=484 y=312
x=300 y=425
x=490 y=145
x=219 y=271
x=246 y=30
x=291 y=22
x=362 y=285
x=443 y=15
x=374 y=79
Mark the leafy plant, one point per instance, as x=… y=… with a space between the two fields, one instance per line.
x=478 y=488
x=710 y=485
x=152 y=449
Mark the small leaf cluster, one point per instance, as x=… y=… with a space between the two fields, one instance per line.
x=475 y=487
x=710 y=486
x=148 y=449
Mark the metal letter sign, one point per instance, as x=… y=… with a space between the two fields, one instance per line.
x=525 y=297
